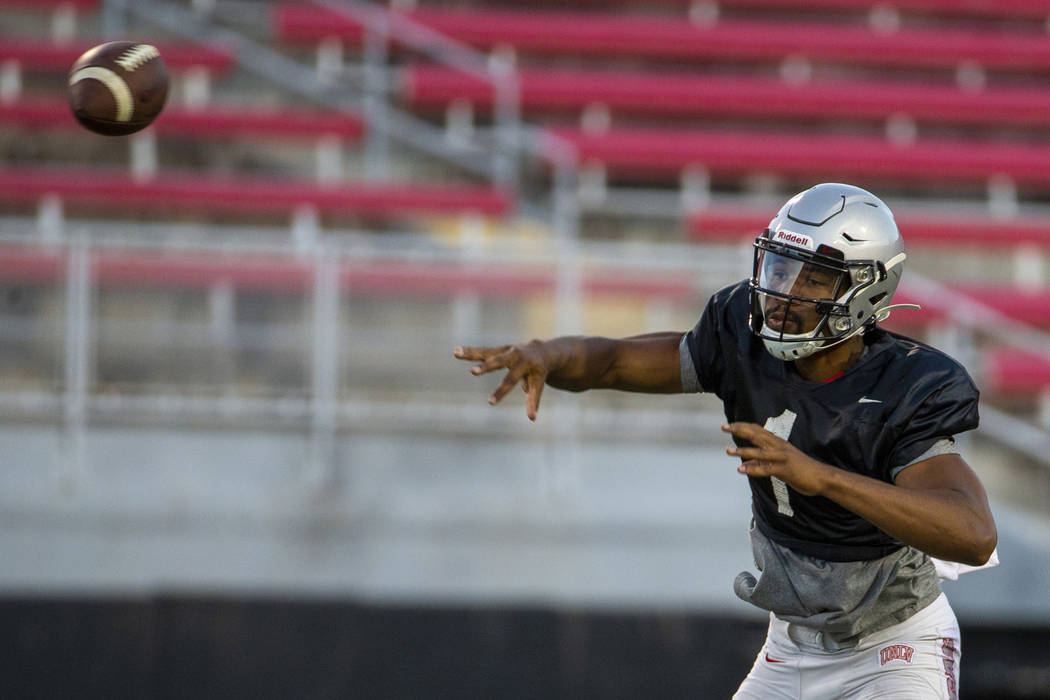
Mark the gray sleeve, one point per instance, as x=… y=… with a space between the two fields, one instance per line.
x=690 y=382
x=944 y=446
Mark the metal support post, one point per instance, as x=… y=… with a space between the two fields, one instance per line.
x=466 y=305
x=64 y=23
x=78 y=358
x=222 y=303
x=10 y=80
x=507 y=112
x=144 y=155
x=51 y=220
x=377 y=141
x=325 y=369
x=114 y=19
x=565 y=214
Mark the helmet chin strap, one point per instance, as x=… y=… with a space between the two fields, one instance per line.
x=879 y=316
x=883 y=313
x=843 y=339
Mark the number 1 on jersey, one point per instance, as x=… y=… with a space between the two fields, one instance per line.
x=781 y=427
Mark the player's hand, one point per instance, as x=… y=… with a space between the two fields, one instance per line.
x=774 y=456
x=525 y=363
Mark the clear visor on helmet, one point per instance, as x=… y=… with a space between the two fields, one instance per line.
x=795 y=296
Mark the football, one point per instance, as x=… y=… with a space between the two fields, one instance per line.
x=118 y=88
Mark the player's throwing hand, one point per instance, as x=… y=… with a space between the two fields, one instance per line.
x=526 y=364
x=774 y=456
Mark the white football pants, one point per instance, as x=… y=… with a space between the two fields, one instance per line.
x=916 y=659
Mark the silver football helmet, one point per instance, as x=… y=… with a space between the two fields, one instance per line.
x=825 y=270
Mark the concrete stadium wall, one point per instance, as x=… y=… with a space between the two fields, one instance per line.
x=414 y=519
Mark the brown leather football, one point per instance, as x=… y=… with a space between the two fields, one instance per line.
x=118 y=88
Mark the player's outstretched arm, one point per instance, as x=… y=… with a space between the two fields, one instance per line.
x=645 y=363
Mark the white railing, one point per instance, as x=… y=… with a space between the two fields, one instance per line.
x=320 y=338
x=326 y=344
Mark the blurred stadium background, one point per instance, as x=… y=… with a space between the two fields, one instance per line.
x=238 y=459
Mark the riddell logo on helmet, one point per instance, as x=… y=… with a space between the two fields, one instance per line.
x=794 y=239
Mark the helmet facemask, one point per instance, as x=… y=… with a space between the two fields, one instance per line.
x=802 y=300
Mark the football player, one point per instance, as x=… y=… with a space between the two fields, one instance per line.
x=845 y=432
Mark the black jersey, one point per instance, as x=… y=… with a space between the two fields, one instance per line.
x=882 y=413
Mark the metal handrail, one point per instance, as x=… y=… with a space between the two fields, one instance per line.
x=385 y=24
x=322 y=407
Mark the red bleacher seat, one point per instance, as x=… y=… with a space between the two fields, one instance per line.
x=20 y=265
x=665 y=152
x=1016 y=372
x=50 y=4
x=724 y=224
x=1031 y=9
x=46 y=56
x=1030 y=307
x=387 y=278
x=429 y=279
x=207 y=121
x=667 y=93
x=377 y=277
x=102 y=189
x=992 y=9
x=584 y=33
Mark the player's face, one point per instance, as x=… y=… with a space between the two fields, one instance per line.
x=792 y=277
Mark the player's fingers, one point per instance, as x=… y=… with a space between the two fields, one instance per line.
x=757 y=468
x=535 y=390
x=492 y=363
x=505 y=386
x=752 y=432
x=755 y=453
x=477 y=353
x=740 y=429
